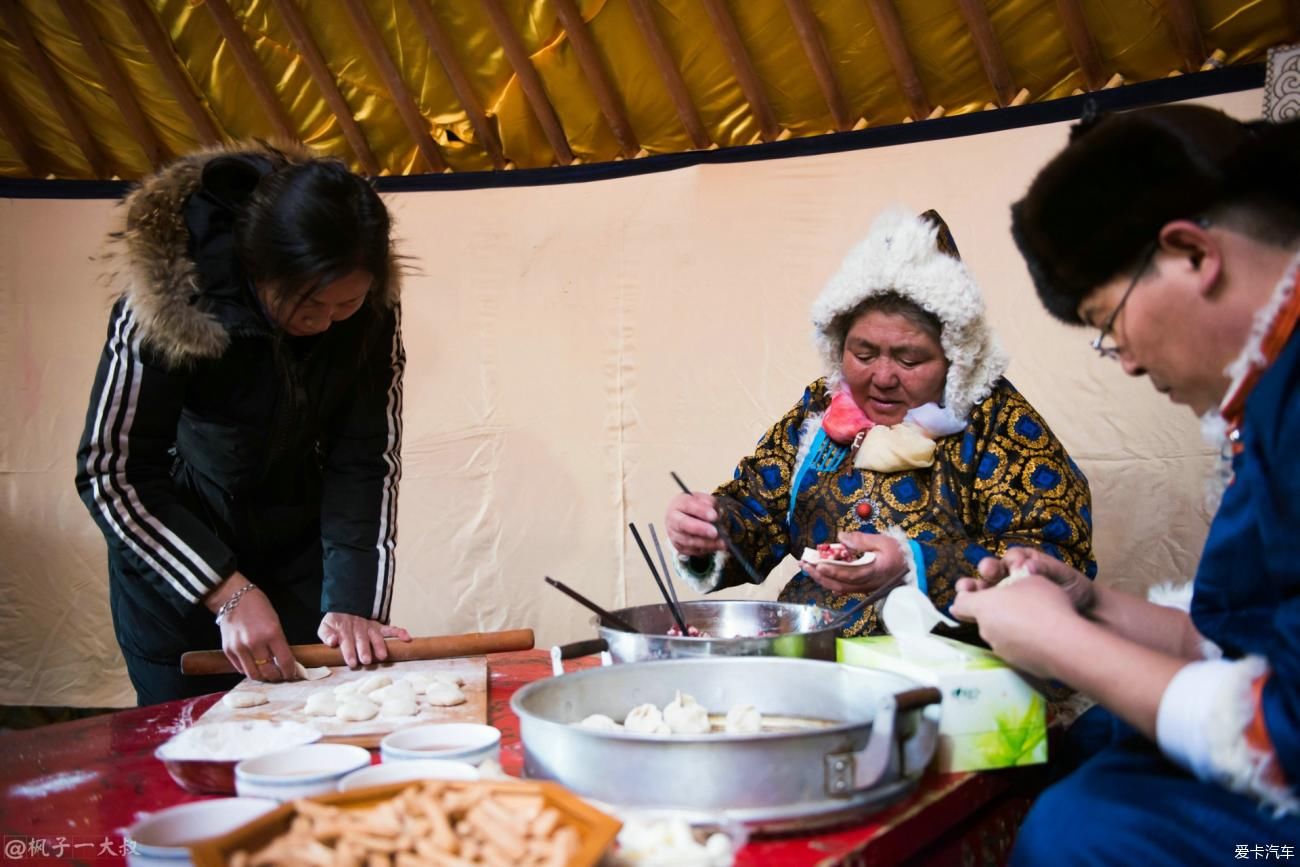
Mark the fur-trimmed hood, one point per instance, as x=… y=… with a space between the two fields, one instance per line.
x=153 y=264
x=914 y=257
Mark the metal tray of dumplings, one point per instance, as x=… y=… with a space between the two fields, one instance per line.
x=848 y=740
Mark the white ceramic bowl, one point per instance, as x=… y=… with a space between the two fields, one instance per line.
x=461 y=742
x=300 y=772
x=164 y=838
x=401 y=772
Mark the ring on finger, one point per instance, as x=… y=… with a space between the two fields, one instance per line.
x=260 y=661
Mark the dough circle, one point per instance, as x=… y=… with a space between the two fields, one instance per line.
x=322 y=704
x=443 y=694
x=401 y=704
x=357 y=710
x=244 y=698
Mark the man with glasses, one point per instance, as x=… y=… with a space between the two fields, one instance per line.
x=1175 y=231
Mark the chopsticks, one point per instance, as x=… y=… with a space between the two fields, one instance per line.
x=663 y=564
x=672 y=604
x=851 y=612
x=613 y=619
x=726 y=537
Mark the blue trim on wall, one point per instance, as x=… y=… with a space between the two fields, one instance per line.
x=1199 y=84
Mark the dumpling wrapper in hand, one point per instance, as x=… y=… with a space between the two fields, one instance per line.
x=600 y=723
x=310 y=673
x=894 y=448
x=686 y=716
x=443 y=694
x=646 y=719
x=1020 y=573
x=744 y=719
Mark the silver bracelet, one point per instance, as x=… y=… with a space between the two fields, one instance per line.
x=230 y=604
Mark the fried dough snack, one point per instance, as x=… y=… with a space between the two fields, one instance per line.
x=427 y=825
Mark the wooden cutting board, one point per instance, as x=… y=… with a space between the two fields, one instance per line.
x=285 y=701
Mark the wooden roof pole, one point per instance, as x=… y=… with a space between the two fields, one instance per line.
x=1187 y=33
x=415 y=123
x=1081 y=43
x=672 y=76
x=814 y=47
x=891 y=33
x=114 y=81
x=328 y=86
x=593 y=67
x=15 y=132
x=725 y=26
x=986 y=43
x=178 y=81
x=446 y=54
x=15 y=19
x=529 y=81
x=247 y=61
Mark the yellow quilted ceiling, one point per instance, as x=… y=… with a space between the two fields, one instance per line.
x=101 y=89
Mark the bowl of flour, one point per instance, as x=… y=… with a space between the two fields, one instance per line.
x=202 y=758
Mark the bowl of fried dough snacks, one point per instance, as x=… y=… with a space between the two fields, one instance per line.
x=524 y=823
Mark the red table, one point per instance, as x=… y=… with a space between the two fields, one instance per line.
x=70 y=790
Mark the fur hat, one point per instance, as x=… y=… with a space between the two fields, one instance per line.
x=1093 y=209
x=915 y=258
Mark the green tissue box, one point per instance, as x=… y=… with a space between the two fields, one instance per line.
x=991 y=717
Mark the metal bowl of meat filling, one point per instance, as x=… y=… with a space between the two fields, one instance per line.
x=718 y=627
x=835 y=741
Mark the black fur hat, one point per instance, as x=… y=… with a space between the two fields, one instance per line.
x=1097 y=204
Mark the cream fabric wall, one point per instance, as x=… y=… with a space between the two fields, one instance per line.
x=567 y=347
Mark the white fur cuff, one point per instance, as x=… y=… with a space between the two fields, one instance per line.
x=909 y=559
x=1201 y=725
x=700 y=582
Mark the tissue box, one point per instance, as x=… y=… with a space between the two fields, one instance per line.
x=991 y=717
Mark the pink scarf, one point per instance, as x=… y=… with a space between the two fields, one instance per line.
x=844 y=420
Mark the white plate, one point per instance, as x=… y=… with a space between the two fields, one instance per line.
x=810 y=556
x=401 y=772
x=164 y=838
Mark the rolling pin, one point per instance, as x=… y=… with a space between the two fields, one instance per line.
x=433 y=647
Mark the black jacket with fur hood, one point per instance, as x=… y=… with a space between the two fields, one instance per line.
x=213 y=442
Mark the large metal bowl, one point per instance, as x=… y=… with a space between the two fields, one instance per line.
x=736 y=628
x=879 y=735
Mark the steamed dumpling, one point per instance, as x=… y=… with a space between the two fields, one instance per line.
x=646 y=719
x=744 y=719
x=600 y=723
x=686 y=716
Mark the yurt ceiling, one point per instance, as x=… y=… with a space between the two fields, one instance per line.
x=108 y=89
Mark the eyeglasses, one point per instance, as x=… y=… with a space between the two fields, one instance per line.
x=1111 y=350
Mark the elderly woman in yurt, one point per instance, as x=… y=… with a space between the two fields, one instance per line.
x=911 y=460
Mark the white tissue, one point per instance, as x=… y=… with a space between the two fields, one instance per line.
x=909 y=616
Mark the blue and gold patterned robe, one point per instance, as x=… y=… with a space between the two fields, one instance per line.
x=1003 y=481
